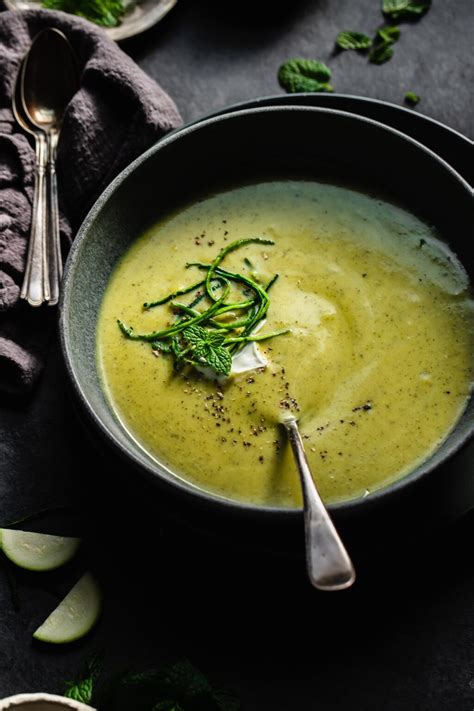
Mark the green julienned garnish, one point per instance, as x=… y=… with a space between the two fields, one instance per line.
x=108 y=13
x=200 y=337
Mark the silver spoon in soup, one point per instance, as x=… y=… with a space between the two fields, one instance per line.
x=328 y=563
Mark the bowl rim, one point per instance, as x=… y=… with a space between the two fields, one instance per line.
x=12 y=702
x=262 y=102
x=158 y=473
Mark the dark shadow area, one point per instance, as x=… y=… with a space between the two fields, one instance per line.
x=215 y=26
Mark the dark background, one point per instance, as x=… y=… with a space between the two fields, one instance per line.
x=403 y=637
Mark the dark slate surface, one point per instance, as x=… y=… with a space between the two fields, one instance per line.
x=403 y=638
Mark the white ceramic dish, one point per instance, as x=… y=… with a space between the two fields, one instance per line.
x=143 y=15
x=41 y=702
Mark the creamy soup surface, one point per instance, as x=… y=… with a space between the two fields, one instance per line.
x=378 y=362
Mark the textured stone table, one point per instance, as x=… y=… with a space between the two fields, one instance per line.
x=403 y=638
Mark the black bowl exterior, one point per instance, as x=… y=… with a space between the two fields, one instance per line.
x=309 y=143
x=453 y=147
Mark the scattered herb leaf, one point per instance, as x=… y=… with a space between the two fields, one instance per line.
x=107 y=13
x=384 y=40
x=226 y=701
x=405 y=9
x=389 y=33
x=381 y=53
x=304 y=75
x=180 y=687
x=353 y=40
x=82 y=689
x=412 y=98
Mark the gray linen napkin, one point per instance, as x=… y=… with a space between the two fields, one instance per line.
x=117 y=114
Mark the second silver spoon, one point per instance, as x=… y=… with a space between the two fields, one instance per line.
x=49 y=81
x=35 y=287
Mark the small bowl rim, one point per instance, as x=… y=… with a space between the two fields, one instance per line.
x=12 y=702
x=159 y=473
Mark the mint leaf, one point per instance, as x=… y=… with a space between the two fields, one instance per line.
x=412 y=98
x=195 y=334
x=186 y=680
x=389 y=33
x=179 y=687
x=216 y=357
x=226 y=701
x=167 y=706
x=405 y=9
x=381 y=53
x=82 y=690
x=384 y=39
x=353 y=40
x=304 y=75
x=208 y=350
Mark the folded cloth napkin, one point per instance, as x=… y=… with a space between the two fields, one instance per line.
x=117 y=114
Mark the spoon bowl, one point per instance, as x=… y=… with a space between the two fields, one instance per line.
x=50 y=79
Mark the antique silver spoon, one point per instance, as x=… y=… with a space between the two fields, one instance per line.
x=329 y=566
x=49 y=81
x=35 y=287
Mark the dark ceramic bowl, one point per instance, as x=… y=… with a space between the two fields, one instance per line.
x=247 y=145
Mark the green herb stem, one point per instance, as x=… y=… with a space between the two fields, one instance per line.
x=151 y=304
x=172 y=330
x=224 y=252
x=261 y=337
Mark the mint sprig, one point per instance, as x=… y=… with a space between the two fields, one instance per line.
x=207 y=348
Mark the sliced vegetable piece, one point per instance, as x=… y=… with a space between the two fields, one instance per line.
x=75 y=615
x=37 y=551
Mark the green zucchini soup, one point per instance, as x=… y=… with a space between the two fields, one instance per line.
x=363 y=326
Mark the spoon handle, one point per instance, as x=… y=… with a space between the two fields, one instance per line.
x=35 y=287
x=54 y=243
x=329 y=565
